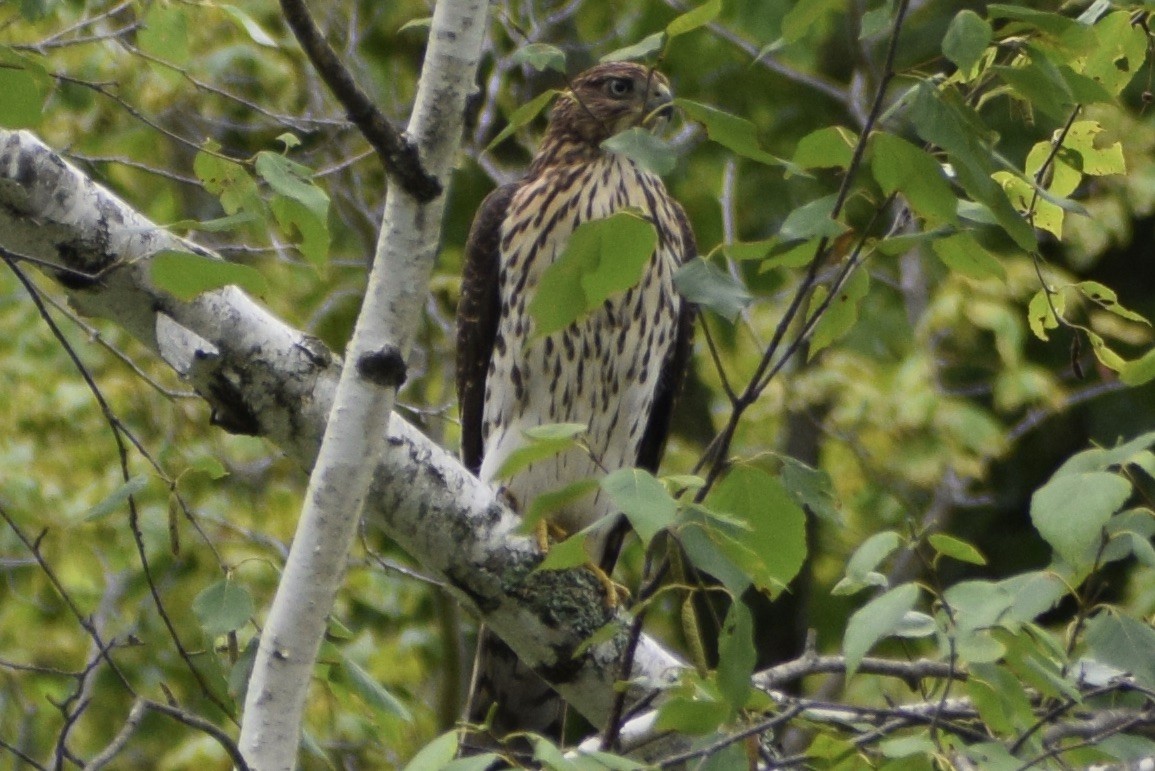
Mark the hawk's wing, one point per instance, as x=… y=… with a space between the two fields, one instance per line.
x=674 y=368
x=477 y=315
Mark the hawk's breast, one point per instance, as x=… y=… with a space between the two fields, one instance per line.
x=601 y=371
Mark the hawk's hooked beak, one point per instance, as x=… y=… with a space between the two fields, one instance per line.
x=660 y=106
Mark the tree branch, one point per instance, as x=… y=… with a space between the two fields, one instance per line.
x=357 y=428
x=398 y=155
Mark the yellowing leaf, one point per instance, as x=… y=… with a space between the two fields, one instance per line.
x=1041 y=312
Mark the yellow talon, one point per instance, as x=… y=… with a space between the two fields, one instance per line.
x=544 y=531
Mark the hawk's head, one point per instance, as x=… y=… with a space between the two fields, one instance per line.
x=612 y=97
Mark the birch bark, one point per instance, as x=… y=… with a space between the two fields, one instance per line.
x=355 y=436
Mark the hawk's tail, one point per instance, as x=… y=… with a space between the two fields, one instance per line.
x=511 y=695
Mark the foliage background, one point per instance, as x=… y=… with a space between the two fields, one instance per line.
x=935 y=406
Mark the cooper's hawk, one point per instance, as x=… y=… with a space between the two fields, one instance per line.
x=616 y=370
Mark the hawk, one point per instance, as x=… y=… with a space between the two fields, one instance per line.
x=616 y=370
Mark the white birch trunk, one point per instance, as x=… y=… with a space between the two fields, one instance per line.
x=263 y=377
x=357 y=428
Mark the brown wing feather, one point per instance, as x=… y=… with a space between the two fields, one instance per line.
x=477 y=315
x=674 y=368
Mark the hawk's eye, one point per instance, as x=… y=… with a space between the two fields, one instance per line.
x=620 y=86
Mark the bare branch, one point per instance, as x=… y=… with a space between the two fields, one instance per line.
x=398 y=155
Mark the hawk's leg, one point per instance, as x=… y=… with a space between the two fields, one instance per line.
x=544 y=530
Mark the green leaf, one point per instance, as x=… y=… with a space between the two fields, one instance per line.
x=736 y=655
x=826 y=148
x=1071 y=510
x=292 y=215
x=242 y=671
x=1040 y=84
x=210 y=466
x=1105 y=297
x=545 y=504
x=1098 y=459
x=812 y=220
x=963 y=254
x=550 y=756
x=255 y=32
x=603 y=257
x=1047 y=21
x=294 y=181
x=943 y=118
x=227 y=180
x=543 y=442
x=569 y=553
x=876 y=21
x=223 y=607
x=1000 y=698
x=435 y=755
x=186 y=275
x=372 y=692
x=1123 y=642
x=976 y=607
x=709 y=550
x=728 y=758
x=811 y=488
x=737 y=135
x=875 y=620
x=795 y=257
x=966 y=39
x=740 y=251
x=693 y=19
x=905 y=746
x=915 y=624
x=842 y=313
x=956 y=548
x=522 y=116
x=541 y=57
x=117 y=498
x=899 y=166
x=702 y=283
x=1139 y=371
x=640 y=50
x=861 y=570
x=689 y=716
x=643 y=499
x=774 y=525
x=643 y=148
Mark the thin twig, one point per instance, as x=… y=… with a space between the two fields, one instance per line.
x=118 y=433
x=715 y=455
x=397 y=154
